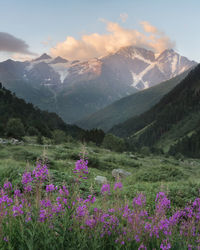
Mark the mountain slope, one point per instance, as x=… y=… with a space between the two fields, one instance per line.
x=141 y=68
x=45 y=122
x=176 y=115
x=129 y=106
x=65 y=87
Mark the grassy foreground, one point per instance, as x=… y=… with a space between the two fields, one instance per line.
x=49 y=207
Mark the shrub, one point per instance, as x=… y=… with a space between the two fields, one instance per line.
x=113 y=143
x=59 y=136
x=15 y=128
x=161 y=173
x=40 y=139
x=93 y=162
x=145 y=150
x=32 y=131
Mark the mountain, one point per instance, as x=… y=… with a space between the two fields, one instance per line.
x=75 y=89
x=31 y=117
x=43 y=57
x=171 y=124
x=129 y=106
x=141 y=68
x=58 y=59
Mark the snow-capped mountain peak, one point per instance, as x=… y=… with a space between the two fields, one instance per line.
x=136 y=52
x=43 y=57
x=58 y=59
x=142 y=68
x=134 y=67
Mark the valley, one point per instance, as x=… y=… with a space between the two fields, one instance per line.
x=99 y=125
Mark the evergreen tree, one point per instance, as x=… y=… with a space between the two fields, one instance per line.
x=15 y=128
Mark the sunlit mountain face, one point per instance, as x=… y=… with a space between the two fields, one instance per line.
x=66 y=86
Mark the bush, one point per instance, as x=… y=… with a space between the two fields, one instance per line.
x=161 y=173
x=40 y=139
x=113 y=143
x=10 y=173
x=58 y=136
x=32 y=131
x=93 y=162
x=74 y=155
x=15 y=128
x=23 y=155
x=145 y=151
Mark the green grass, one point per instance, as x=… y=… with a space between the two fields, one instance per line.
x=149 y=174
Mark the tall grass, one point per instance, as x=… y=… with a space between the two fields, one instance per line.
x=37 y=214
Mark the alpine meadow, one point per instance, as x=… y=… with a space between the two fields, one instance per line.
x=99 y=125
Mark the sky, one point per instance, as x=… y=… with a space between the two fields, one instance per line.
x=82 y=29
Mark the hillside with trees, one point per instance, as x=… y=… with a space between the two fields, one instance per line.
x=174 y=120
x=129 y=106
x=18 y=118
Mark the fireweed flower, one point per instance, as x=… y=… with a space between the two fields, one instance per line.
x=142 y=246
x=90 y=222
x=90 y=199
x=17 y=210
x=28 y=217
x=17 y=193
x=82 y=211
x=27 y=178
x=5 y=200
x=105 y=189
x=64 y=191
x=7 y=185
x=165 y=245
x=162 y=203
x=40 y=172
x=46 y=203
x=28 y=188
x=124 y=222
x=118 y=185
x=140 y=200
x=81 y=168
x=50 y=188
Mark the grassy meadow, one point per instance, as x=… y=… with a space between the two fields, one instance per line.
x=179 y=178
x=147 y=213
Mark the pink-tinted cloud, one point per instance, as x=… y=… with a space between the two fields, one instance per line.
x=97 y=45
x=123 y=17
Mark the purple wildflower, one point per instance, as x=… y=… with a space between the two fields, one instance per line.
x=28 y=188
x=40 y=172
x=81 y=168
x=17 y=193
x=140 y=200
x=50 y=188
x=81 y=211
x=5 y=239
x=17 y=210
x=27 y=178
x=64 y=191
x=118 y=185
x=7 y=185
x=105 y=189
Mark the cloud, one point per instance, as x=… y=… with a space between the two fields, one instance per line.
x=22 y=57
x=47 y=42
x=123 y=17
x=96 y=45
x=10 y=43
x=149 y=28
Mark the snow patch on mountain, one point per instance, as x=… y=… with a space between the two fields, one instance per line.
x=134 y=67
x=62 y=69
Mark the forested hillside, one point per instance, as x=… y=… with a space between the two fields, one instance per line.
x=174 y=118
x=31 y=119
